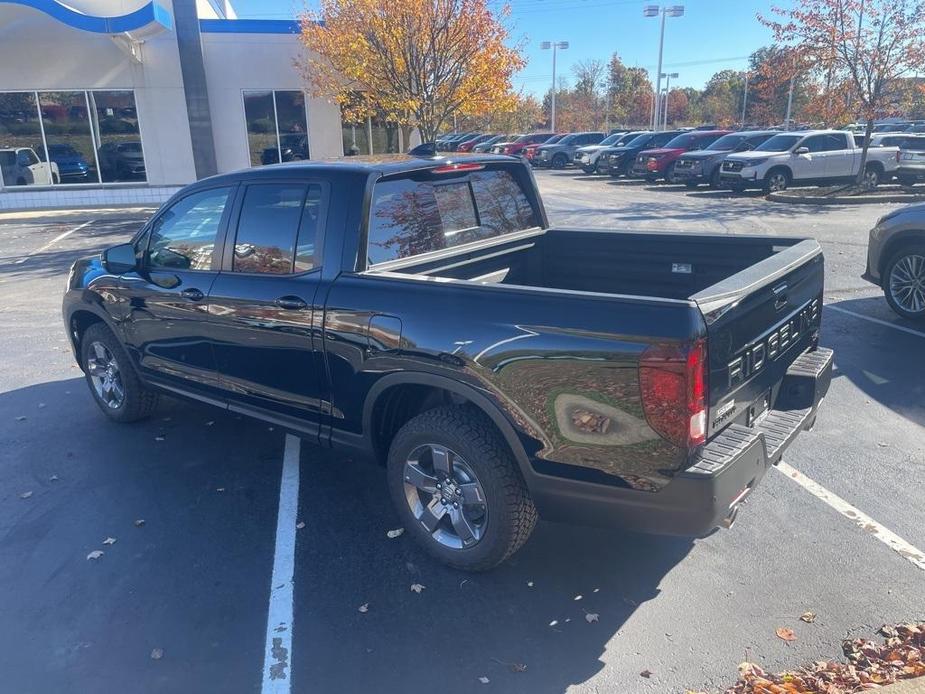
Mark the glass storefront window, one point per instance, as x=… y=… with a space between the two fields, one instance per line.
x=23 y=161
x=118 y=141
x=67 y=136
x=276 y=126
x=60 y=138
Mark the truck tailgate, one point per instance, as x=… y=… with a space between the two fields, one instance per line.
x=759 y=321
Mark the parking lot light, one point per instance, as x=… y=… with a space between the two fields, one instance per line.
x=561 y=46
x=664 y=11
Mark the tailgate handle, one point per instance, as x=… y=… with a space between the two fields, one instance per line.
x=780 y=300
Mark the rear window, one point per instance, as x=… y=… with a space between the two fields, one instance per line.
x=409 y=217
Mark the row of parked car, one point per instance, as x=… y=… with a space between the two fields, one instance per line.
x=772 y=160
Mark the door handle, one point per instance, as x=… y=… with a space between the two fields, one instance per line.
x=192 y=294
x=291 y=303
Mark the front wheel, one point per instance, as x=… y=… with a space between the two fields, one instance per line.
x=589 y=169
x=115 y=386
x=669 y=174
x=776 y=181
x=559 y=161
x=457 y=488
x=904 y=282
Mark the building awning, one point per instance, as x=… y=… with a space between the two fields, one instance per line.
x=146 y=21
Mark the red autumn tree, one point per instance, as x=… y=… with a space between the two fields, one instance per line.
x=871 y=44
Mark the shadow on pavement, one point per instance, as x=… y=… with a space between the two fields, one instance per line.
x=461 y=626
x=193 y=580
x=883 y=363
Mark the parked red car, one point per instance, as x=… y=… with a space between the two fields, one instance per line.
x=517 y=146
x=529 y=151
x=652 y=164
x=469 y=144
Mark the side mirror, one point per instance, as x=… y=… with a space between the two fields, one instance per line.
x=745 y=147
x=120 y=259
x=801 y=150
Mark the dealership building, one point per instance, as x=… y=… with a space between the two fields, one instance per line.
x=114 y=102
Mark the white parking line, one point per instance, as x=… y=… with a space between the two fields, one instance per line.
x=277 y=661
x=59 y=237
x=878 y=321
x=861 y=519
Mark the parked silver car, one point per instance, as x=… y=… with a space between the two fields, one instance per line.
x=896 y=260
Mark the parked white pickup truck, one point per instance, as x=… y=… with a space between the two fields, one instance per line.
x=21 y=166
x=811 y=157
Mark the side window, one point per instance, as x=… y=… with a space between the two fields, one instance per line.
x=660 y=141
x=815 y=143
x=838 y=142
x=277 y=228
x=183 y=236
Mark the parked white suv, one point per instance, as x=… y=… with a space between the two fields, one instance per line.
x=811 y=157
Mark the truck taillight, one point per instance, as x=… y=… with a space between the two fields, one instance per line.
x=673 y=384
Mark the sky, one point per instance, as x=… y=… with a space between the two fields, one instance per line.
x=712 y=35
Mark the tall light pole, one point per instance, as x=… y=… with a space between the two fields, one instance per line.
x=745 y=99
x=555 y=46
x=664 y=11
x=668 y=77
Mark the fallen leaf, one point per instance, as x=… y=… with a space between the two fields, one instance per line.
x=591 y=617
x=300 y=525
x=53 y=478
x=484 y=680
x=808 y=617
x=20 y=419
x=95 y=554
x=392 y=534
x=157 y=654
x=417 y=587
x=25 y=495
x=220 y=489
x=41 y=405
x=210 y=423
x=529 y=584
x=109 y=541
x=883 y=444
x=160 y=438
x=140 y=522
x=646 y=673
x=364 y=608
x=785 y=634
x=518 y=667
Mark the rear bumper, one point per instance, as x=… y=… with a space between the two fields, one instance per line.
x=708 y=494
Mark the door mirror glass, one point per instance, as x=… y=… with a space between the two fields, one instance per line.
x=801 y=150
x=119 y=259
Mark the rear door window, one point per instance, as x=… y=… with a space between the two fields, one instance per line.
x=277 y=228
x=409 y=217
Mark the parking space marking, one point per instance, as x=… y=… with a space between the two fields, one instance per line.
x=878 y=321
x=277 y=661
x=59 y=237
x=861 y=519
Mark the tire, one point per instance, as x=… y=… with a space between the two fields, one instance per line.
x=690 y=184
x=98 y=344
x=589 y=169
x=715 y=181
x=776 y=180
x=55 y=178
x=669 y=174
x=559 y=161
x=872 y=175
x=907 y=264
x=480 y=462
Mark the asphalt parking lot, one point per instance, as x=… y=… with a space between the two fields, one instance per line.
x=577 y=610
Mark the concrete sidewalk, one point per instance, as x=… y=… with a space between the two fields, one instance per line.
x=915 y=686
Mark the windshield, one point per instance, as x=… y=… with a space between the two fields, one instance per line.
x=553 y=140
x=778 y=143
x=568 y=139
x=611 y=139
x=684 y=141
x=639 y=141
x=727 y=142
x=61 y=149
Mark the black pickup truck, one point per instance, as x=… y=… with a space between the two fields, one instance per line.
x=420 y=311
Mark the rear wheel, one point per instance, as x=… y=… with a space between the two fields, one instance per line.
x=904 y=282
x=776 y=180
x=559 y=161
x=457 y=488
x=871 y=177
x=669 y=174
x=115 y=386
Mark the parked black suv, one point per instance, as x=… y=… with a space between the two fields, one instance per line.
x=618 y=161
x=420 y=312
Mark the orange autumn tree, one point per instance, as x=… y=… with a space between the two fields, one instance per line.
x=870 y=44
x=414 y=62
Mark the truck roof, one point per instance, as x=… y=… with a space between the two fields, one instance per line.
x=364 y=165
